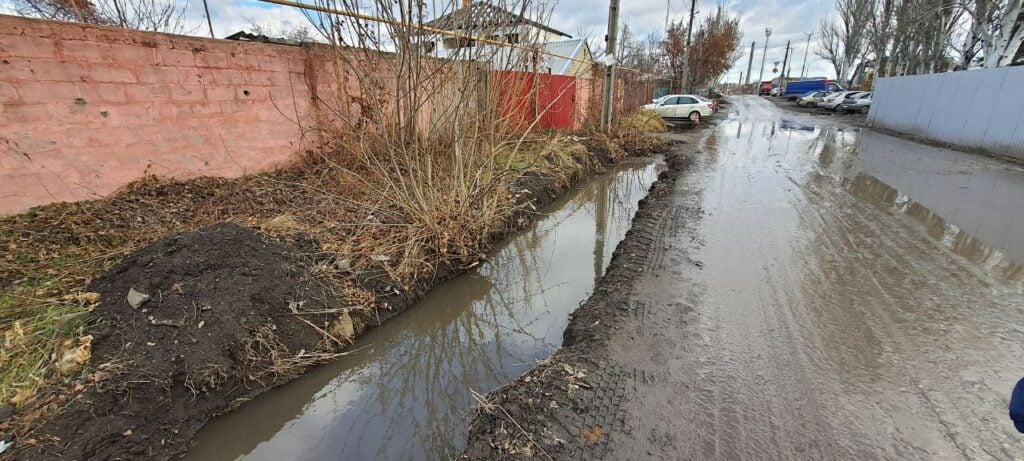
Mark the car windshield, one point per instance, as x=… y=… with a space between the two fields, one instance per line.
x=702 y=98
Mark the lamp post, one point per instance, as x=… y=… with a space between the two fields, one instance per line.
x=767 y=33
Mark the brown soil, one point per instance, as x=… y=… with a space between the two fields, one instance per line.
x=216 y=331
x=219 y=327
x=521 y=420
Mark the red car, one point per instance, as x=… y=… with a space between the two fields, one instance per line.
x=765 y=88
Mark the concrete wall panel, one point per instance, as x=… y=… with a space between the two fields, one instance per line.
x=973 y=109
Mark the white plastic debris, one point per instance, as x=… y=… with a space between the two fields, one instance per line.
x=136 y=298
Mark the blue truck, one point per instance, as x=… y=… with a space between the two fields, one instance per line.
x=795 y=89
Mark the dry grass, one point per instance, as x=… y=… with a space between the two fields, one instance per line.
x=644 y=121
x=355 y=212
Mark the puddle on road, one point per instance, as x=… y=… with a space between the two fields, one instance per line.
x=407 y=394
x=971 y=205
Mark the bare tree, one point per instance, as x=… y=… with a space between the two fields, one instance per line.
x=997 y=28
x=152 y=15
x=295 y=33
x=843 y=39
x=880 y=33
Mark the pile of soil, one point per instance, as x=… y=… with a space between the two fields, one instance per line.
x=207 y=339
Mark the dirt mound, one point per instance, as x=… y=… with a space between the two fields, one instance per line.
x=216 y=329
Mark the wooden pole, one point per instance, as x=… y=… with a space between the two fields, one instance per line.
x=609 y=72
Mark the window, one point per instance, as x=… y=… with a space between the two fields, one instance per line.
x=427 y=47
x=512 y=38
x=687 y=100
x=670 y=101
x=452 y=43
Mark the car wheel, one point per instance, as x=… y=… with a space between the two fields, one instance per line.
x=864 y=110
x=836 y=108
x=695 y=117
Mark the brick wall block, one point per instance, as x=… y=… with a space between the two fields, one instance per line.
x=147 y=92
x=59 y=71
x=75 y=50
x=27 y=47
x=220 y=92
x=186 y=92
x=228 y=76
x=133 y=54
x=43 y=92
x=111 y=73
x=25 y=113
x=102 y=92
x=153 y=74
x=175 y=57
x=9 y=94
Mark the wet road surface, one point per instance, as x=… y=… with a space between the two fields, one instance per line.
x=841 y=294
x=407 y=390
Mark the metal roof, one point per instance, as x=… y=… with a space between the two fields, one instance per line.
x=482 y=15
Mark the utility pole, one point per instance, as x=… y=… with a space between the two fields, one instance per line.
x=609 y=72
x=209 y=22
x=686 y=53
x=750 y=62
x=803 y=68
x=767 y=33
x=785 y=60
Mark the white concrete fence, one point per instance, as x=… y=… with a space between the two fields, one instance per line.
x=973 y=109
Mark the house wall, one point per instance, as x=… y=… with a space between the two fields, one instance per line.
x=85 y=109
x=973 y=109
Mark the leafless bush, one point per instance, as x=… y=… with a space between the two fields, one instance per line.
x=152 y=15
x=422 y=128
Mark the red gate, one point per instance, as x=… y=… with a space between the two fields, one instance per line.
x=547 y=99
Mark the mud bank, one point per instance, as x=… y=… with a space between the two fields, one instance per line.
x=229 y=313
x=517 y=420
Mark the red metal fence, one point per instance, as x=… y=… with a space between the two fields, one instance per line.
x=525 y=98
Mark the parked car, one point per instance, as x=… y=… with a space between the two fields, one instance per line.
x=834 y=100
x=794 y=90
x=678 y=108
x=764 y=88
x=810 y=99
x=860 y=102
x=776 y=91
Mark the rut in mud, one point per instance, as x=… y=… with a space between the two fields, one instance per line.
x=807 y=290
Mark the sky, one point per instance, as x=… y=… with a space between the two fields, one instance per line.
x=789 y=20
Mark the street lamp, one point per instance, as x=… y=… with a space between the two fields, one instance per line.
x=767 y=33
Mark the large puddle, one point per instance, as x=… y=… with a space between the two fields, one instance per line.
x=407 y=392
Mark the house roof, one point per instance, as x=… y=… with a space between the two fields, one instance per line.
x=482 y=15
x=567 y=48
x=244 y=36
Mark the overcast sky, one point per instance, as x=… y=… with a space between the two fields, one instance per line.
x=789 y=20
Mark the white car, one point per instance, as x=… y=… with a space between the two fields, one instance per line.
x=677 y=108
x=856 y=103
x=835 y=100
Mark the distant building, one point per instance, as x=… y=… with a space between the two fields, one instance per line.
x=560 y=54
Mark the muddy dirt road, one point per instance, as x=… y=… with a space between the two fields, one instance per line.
x=807 y=291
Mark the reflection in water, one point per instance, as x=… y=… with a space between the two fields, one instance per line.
x=952 y=236
x=971 y=207
x=408 y=393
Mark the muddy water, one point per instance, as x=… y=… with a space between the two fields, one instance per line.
x=407 y=392
x=860 y=297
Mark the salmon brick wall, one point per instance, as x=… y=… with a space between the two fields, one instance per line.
x=86 y=109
